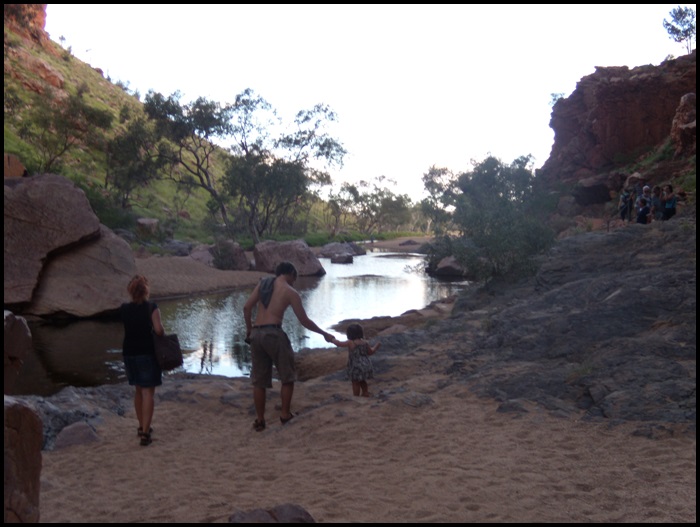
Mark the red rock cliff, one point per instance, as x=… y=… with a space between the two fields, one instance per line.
x=614 y=115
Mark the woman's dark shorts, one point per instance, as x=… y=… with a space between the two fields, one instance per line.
x=143 y=370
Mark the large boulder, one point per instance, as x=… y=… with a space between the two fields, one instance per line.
x=87 y=281
x=18 y=345
x=42 y=214
x=270 y=253
x=23 y=440
x=335 y=249
x=229 y=256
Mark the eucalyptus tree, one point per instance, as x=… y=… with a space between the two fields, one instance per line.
x=273 y=172
x=192 y=157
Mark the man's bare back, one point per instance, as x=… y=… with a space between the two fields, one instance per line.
x=283 y=296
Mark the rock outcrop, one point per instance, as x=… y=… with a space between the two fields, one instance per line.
x=607 y=329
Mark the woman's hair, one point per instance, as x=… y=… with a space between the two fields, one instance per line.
x=355 y=332
x=138 y=289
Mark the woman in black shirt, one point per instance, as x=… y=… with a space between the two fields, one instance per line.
x=141 y=318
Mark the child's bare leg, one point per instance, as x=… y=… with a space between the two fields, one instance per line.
x=356 y=388
x=365 y=389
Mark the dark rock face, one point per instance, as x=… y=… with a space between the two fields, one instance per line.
x=606 y=328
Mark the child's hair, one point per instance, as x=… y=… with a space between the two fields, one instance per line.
x=355 y=332
x=138 y=289
x=643 y=201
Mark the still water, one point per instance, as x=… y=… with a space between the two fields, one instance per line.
x=212 y=330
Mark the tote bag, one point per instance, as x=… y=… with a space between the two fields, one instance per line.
x=168 y=351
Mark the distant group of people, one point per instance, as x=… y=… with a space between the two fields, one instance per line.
x=647 y=204
x=270 y=346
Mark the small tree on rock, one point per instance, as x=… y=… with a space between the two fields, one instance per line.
x=681 y=27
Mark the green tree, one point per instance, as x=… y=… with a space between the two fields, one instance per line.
x=55 y=126
x=499 y=228
x=375 y=206
x=191 y=130
x=681 y=27
x=269 y=191
x=271 y=177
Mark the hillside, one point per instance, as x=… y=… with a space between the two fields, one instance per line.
x=37 y=66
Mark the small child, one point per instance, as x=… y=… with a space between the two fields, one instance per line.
x=359 y=364
x=644 y=212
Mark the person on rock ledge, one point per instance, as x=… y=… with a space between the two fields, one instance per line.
x=269 y=343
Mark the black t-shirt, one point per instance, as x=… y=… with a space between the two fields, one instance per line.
x=138 y=328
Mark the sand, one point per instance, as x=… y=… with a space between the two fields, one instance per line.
x=422 y=449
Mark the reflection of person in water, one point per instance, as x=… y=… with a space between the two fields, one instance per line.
x=207 y=356
x=269 y=343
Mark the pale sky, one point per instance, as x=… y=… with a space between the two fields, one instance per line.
x=412 y=85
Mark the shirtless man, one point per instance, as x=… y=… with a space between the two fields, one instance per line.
x=269 y=343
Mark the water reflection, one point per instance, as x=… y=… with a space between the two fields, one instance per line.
x=211 y=328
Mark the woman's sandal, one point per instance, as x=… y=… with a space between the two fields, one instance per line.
x=285 y=421
x=259 y=426
x=139 y=432
x=146 y=439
